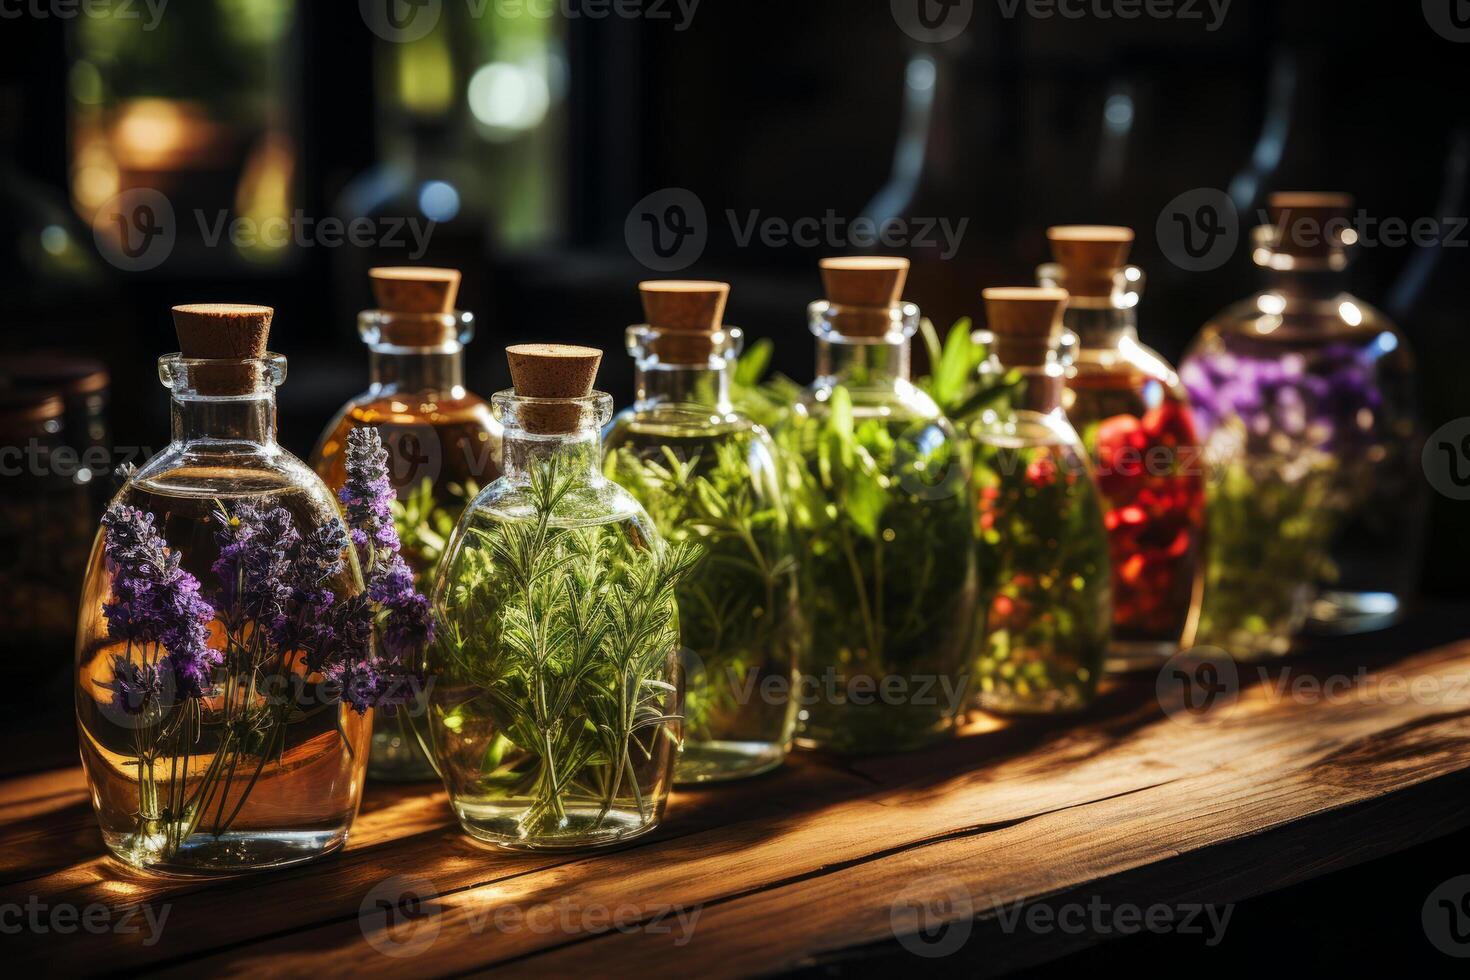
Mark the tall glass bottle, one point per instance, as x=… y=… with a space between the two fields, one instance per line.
x=260 y=767
x=443 y=445
x=1134 y=418
x=880 y=496
x=554 y=708
x=1044 y=569
x=1318 y=511
x=707 y=473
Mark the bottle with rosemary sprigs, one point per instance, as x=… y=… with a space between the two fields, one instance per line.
x=1045 y=580
x=555 y=712
x=443 y=445
x=879 y=491
x=1134 y=417
x=227 y=649
x=1308 y=397
x=706 y=473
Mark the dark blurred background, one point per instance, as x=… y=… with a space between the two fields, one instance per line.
x=548 y=143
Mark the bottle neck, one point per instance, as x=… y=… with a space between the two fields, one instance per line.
x=848 y=361
x=1307 y=284
x=687 y=384
x=419 y=369
x=229 y=423
x=1101 y=326
x=577 y=455
x=1040 y=389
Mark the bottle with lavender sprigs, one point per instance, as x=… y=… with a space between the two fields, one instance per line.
x=229 y=654
x=1307 y=395
x=442 y=441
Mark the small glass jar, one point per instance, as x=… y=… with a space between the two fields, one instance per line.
x=1044 y=557
x=881 y=502
x=1134 y=417
x=443 y=447
x=1317 y=511
x=707 y=473
x=266 y=768
x=554 y=704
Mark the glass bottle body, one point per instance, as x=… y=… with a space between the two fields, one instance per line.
x=267 y=769
x=1044 y=557
x=881 y=501
x=706 y=473
x=554 y=705
x=443 y=446
x=1318 y=505
x=1134 y=417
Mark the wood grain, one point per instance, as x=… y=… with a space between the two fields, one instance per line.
x=820 y=861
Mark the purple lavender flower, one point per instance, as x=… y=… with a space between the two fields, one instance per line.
x=135 y=686
x=155 y=601
x=368 y=495
x=254 y=563
x=359 y=683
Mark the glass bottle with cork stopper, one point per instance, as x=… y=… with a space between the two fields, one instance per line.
x=554 y=707
x=881 y=508
x=1044 y=572
x=1309 y=394
x=1133 y=414
x=443 y=444
x=260 y=765
x=707 y=473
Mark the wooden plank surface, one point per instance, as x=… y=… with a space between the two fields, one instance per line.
x=1302 y=767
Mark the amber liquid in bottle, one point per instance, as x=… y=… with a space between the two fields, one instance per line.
x=443 y=447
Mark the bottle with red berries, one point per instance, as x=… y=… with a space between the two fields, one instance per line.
x=1045 y=580
x=1134 y=418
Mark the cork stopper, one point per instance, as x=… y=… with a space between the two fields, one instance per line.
x=1090 y=256
x=419 y=303
x=864 y=289
x=1310 y=224
x=226 y=332
x=1026 y=322
x=552 y=371
x=687 y=314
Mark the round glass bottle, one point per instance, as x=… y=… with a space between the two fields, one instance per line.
x=1044 y=568
x=262 y=767
x=1133 y=415
x=554 y=703
x=880 y=496
x=1317 y=510
x=708 y=474
x=443 y=446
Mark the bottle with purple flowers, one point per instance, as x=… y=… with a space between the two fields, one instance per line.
x=235 y=634
x=1307 y=393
